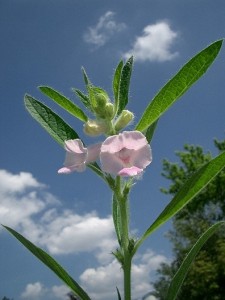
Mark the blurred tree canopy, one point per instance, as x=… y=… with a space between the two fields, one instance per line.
x=206 y=277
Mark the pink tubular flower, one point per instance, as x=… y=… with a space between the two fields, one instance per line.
x=77 y=156
x=125 y=154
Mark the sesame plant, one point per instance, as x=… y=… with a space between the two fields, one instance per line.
x=121 y=158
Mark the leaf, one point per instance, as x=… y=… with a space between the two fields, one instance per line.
x=49 y=120
x=83 y=98
x=64 y=102
x=51 y=264
x=179 y=84
x=125 y=84
x=116 y=84
x=187 y=192
x=150 y=131
x=184 y=268
x=86 y=79
x=118 y=294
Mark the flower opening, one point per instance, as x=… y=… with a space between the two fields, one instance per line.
x=125 y=154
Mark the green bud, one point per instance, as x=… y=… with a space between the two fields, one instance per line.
x=95 y=127
x=99 y=99
x=109 y=111
x=123 y=120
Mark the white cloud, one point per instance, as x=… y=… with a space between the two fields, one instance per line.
x=17 y=183
x=34 y=291
x=60 y=231
x=154 y=44
x=38 y=291
x=101 y=281
x=106 y=27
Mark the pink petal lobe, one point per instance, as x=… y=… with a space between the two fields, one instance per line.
x=132 y=171
x=93 y=152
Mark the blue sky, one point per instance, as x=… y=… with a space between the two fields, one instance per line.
x=47 y=43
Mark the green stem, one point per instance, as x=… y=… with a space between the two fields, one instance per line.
x=122 y=199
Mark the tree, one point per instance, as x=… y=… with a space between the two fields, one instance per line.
x=206 y=278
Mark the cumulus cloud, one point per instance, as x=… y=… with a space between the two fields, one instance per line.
x=34 y=291
x=38 y=291
x=101 y=281
x=106 y=27
x=154 y=44
x=60 y=231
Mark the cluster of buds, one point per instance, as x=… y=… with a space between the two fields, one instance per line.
x=125 y=153
x=106 y=119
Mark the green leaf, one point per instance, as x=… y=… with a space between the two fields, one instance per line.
x=184 y=268
x=83 y=98
x=125 y=84
x=187 y=192
x=51 y=264
x=64 y=102
x=118 y=294
x=116 y=84
x=179 y=84
x=86 y=79
x=49 y=120
x=150 y=131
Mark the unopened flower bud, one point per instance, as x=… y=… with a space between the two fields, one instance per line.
x=95 y=127
x=100 y=100
x=109 y=111
x=124 y=119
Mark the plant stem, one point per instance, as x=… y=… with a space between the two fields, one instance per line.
x=122 y=199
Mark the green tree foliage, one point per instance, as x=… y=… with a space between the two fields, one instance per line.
x=206 y=278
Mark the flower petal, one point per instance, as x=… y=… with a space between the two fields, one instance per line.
x=132 y=171
x=93 y=152
x=125 y=154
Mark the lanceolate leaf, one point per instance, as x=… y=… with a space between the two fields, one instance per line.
x=187 y=192
x=64 y=102
x=179 y=84
x=183 y=270
x=150 y=131
x=83 y=98
x=49 y=120
x=116 y=84
x=51 y=264
x=125 y=84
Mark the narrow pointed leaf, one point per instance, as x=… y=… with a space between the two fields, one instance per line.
x=51 y=264
x=118 y=294
x=116 y=84
x=86 y=79
x=49 y=120
x=64 y=102
x=187 y=192
x=179 y=84
x=125 y=84
x=185 y=266
x=83 y=98
x=150 y=131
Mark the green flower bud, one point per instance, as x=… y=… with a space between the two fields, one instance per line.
x=99 y=100
x=95 y=127
x=123 y=120
x=109 y=111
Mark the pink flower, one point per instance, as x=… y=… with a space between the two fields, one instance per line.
x=125 y=154
x=77 y=156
